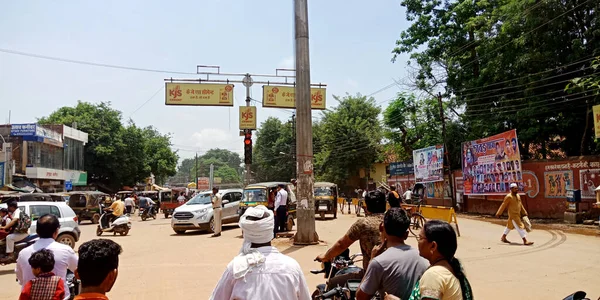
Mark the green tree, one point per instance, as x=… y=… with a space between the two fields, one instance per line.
x=226 y=164
x=272 y=157
x=349 y=139
x=160 y=159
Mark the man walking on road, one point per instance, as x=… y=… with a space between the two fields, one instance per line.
x=216 y=204
x=280 y=209
x=516 y=211
x=260 y=271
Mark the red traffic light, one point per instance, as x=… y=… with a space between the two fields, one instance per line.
x=247 y=141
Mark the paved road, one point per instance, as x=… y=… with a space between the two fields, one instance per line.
x=157 y=264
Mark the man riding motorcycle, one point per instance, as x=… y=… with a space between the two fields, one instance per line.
x=366 y=231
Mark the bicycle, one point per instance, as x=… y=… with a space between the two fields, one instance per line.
x=417 y=221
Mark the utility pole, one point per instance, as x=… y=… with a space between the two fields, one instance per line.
x=247 y=82
x=450 y=181
x=306 y=233
x=196 y=180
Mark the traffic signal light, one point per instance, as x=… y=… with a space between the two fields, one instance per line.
x=248 y=147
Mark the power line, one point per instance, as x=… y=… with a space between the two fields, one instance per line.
x=154 y=95
x=95 y=64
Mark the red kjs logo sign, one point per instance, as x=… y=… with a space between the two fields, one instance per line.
x=247 y=115
x=176 y=92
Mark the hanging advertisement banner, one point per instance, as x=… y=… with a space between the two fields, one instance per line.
x=429 y=164
x=596 y=110
x=285 y=97
x=491 y=164
x=247 y=117
x=198 y=94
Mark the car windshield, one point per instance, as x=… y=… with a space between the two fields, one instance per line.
x=254 y=195
x=200 y=199
x=322 y=191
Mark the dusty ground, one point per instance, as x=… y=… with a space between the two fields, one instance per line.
x=157 y=264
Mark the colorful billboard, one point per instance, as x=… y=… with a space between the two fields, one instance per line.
x=429 y=164
x=491 y=164
x=247 y=117
x=285 y=97
x=198 y=94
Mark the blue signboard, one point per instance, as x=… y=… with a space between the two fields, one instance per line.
x=68 y=185
x=1 y=174
x=23 y=129
x=401 y=168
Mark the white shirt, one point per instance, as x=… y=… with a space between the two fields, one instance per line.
x=408 y=195
x=281 y=198
x=64 y=258
x=280 y=277
x=181 y=199
x=150 y=201
x=129 y=201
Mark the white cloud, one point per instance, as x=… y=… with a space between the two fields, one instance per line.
x=287 y=63
x=206 y=139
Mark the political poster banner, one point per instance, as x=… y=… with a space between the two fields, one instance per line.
x=429 y=164
x=491 y=164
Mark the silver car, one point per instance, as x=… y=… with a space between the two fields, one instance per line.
x=197 y=213
x=68 y=233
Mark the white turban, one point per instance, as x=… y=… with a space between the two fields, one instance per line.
x=257 y=232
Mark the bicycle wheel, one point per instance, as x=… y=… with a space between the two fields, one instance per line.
x=417 y=222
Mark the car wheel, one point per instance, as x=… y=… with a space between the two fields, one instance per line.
x=179 y=231
x=66 y=239
x=98 y=231
x=95 y=218
x=211 y=225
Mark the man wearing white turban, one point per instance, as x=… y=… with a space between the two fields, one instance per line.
x=260 y=271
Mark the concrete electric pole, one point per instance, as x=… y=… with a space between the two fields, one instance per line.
x=306 y=233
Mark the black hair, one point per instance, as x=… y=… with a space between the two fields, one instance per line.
x=393 y=188
x=43 y=259
x=12 y=204
x=375 y=201
x=47 y=226
x=97 y=258
x=396 y=222
x=444 y=235
x=4 y=210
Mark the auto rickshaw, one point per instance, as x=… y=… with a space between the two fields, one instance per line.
x=264 y=194
x=326 y=197
x=168 y=202
x=85 y=205
x=21 y=197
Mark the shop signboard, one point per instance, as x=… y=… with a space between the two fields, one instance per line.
x=491 y=164
x=401 y=168
x=285 y=97
x=198 y=94
x=203 y=183
x=429 y=164
x=36 y=133
x=77 y=178
x=247 y=117
x=44 y=173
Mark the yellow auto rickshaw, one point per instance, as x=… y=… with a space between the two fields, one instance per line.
x=326 y=198
x=264 y=194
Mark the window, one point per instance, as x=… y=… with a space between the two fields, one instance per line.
x=227 y=197
x=237 y=196
x=73 y=154
x=77 y=201
x=41 y=155
x=40 y=210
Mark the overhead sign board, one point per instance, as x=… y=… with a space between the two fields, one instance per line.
x=285 y=97
x=198 y=94
x=247 y=117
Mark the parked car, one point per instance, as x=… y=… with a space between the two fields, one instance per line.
x=85 y=205
x=197 y=213
x=68 y=233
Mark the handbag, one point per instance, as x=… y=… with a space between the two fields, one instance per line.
x=527 y=223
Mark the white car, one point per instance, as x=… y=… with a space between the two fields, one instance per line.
x=197 y=213
x=68 y=233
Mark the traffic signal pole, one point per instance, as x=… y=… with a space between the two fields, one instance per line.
x=306 y=233
x=247 y=81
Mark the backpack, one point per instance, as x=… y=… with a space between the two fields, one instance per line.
x=23 y=224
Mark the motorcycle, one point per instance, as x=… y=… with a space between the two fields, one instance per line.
x=120 y=225
x=147 y=213
x=341 y=265
x=20 y=245
x=73 y=284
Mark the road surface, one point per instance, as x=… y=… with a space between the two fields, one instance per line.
x=157 y=264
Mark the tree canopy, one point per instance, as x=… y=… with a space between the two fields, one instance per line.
x=227 y=166
x=117 y=155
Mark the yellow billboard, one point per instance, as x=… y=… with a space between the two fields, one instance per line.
x=198 y=94
x=596 y=110
x=247 y=117
x=285 y=97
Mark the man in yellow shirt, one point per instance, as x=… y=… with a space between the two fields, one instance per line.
x=516 y=211
x=117 y=208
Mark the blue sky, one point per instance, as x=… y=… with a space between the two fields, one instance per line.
x=350 y=51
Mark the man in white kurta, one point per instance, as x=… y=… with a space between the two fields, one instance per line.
x=260 y=271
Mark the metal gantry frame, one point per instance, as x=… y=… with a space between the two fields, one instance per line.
x=247 y=80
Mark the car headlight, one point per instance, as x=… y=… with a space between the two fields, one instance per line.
x=201 y=211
